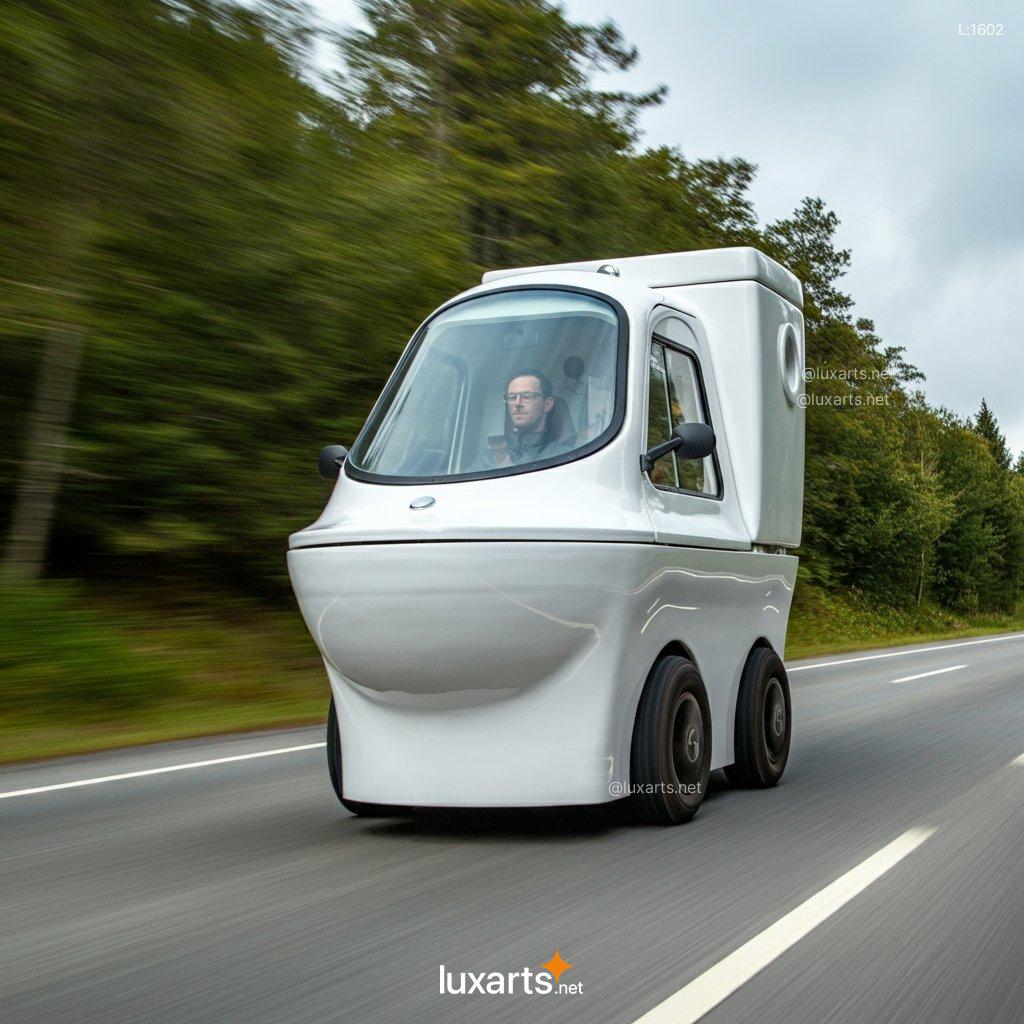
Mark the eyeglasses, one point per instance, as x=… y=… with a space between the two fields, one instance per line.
x=526 y=396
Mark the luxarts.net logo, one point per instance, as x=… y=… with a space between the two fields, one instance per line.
x=545 y=980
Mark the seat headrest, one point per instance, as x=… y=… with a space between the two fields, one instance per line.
x=560 y=425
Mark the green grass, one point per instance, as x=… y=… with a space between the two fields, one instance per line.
x=91 y=671
x=83 y=671
x=828 y=623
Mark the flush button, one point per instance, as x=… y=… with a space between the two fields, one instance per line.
x=425 y=502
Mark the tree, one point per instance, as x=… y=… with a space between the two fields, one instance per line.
x=50 y=154
x=498 y=95
x=986 y=425
x=806 y=243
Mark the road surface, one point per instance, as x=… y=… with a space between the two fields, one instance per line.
x=883 y=880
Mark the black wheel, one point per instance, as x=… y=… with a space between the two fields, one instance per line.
x=334 y=770
x=763 y=722
x=671 y=755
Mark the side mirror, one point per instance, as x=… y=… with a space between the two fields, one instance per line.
x=690 y=440
x=330 y=459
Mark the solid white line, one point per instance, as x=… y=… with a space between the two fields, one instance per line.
x=1018 y=760
x=924 y=675
x=704 y=993
x=158 y=771
x=900 y=654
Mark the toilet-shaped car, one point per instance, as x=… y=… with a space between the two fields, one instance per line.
x=554 y=567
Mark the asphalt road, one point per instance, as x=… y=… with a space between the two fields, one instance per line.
x=242 y=891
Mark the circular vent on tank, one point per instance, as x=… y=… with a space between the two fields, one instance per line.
x=790 y=362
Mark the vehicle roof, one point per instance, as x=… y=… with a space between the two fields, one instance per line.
x=676 y=269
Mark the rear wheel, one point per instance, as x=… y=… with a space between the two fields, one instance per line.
x=763 y=722
x=671 y=754
x=334 y=770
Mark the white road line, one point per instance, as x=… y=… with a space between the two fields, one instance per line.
x=158 y=771
x=900 y=654
x=924 y=675
x=1018 y=760
x=704 y=993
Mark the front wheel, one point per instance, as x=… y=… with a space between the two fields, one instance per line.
x=763 y=722
x=671 y=756
x=334 y=770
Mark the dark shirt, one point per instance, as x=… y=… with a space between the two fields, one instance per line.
x=523 y=448
x=533 y=447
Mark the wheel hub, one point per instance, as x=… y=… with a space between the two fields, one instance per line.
x=688 y=740
x=775 y=718
x=692 y=745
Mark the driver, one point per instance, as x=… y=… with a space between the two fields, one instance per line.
x=528 y=402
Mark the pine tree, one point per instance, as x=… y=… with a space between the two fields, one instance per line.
x=986 y=425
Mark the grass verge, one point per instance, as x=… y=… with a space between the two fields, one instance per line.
x=86 y=671
x=823 y=623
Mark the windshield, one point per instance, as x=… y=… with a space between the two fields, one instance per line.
x=496 y=383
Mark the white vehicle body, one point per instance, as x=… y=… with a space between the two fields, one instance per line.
x=491 y=648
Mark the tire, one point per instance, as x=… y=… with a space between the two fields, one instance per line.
x=764 y=722
x=671 y=756
x=334 y=770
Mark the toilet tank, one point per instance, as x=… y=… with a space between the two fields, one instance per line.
x=756 y=341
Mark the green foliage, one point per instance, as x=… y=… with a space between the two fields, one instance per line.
x=824 y=622
x=59 y=656
x=986 y=425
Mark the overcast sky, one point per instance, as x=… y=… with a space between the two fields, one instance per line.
x=910 y=129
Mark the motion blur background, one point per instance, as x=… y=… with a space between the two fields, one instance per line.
x=213 y=247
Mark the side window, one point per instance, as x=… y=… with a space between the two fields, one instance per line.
x=659 y=425
x=685 y=406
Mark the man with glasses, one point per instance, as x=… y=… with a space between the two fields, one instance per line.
x=528 y=436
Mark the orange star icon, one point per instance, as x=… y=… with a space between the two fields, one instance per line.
x=557 y=966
